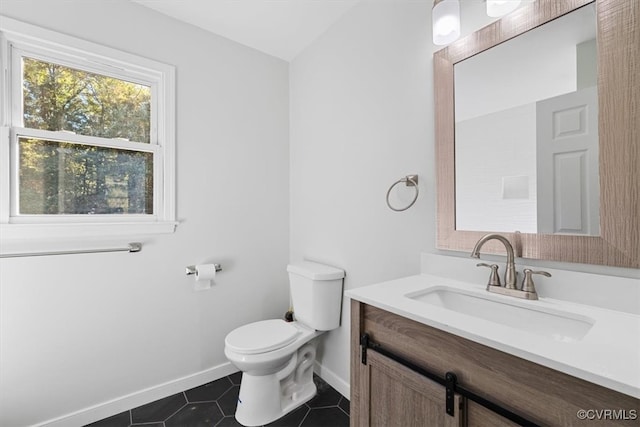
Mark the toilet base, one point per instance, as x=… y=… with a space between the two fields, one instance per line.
x=266 y=398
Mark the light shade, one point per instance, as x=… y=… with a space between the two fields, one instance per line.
x=445 y=21
x=496 y=8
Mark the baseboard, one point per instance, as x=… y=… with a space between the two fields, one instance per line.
x=142 y=397
x=333 y=380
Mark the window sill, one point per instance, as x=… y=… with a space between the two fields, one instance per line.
x=17 y=235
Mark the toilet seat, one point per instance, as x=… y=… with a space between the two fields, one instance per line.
x=261 y=337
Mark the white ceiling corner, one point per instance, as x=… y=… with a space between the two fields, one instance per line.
x=281 y=28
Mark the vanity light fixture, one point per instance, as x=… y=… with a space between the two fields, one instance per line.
x=445 y=21
x=497 y=8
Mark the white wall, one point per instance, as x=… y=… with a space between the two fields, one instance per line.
x=362 y=118
x=506 y=142
x=78 y=331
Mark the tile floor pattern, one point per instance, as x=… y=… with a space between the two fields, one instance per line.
x=213 y=405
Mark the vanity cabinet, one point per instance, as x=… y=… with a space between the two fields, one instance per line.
x=386 y=393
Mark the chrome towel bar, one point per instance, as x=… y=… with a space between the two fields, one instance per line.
x=132 y=247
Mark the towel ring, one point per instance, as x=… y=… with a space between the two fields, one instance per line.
x=411 y=181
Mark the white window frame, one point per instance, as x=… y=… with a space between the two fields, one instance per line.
x=19 y=39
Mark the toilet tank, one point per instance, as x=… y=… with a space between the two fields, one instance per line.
x=316 y=293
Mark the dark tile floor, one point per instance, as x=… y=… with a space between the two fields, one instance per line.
x=214 y=404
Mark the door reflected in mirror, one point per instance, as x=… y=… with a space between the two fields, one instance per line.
x=526 y=132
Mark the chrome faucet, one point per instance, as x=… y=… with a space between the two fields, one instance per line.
x=528 y=290
x=510 y=271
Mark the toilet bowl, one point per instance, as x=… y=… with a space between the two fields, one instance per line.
x=277 y=357
x=264 y=347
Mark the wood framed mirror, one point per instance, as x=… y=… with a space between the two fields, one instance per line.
x=615 y=239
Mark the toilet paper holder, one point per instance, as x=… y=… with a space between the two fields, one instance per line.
x=191 y=269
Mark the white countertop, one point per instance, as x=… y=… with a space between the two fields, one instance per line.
x=608 y=355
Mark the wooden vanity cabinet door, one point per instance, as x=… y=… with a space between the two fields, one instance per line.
x=395 y=396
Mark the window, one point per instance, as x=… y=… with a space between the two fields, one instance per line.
x=87 y=143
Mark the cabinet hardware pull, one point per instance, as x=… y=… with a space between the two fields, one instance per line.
x=450 y=380
x=364 y=344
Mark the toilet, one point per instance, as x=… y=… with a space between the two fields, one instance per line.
x=277 y=357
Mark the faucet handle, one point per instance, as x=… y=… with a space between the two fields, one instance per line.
x=527 y=282
x=494 y=278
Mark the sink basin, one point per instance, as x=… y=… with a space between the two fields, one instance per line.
x=555 y=324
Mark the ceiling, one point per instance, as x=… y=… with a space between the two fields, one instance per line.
x=282 y=28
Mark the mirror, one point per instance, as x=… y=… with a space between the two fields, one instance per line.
x=539 y=112
x=533 y=120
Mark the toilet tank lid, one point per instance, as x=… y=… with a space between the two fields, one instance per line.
x=315 y=271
